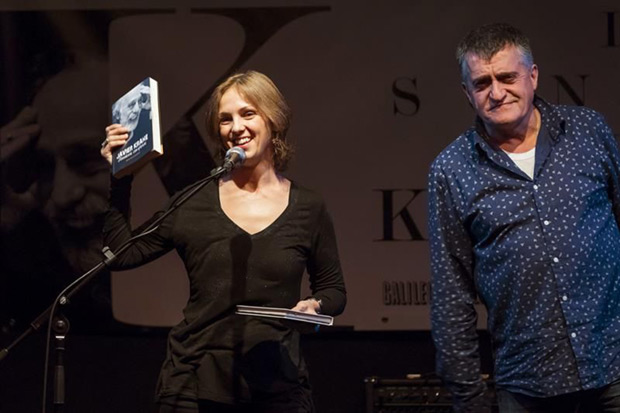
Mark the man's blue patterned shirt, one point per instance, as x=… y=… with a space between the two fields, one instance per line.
x=542 y=254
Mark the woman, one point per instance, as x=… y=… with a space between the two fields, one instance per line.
x=245 y=239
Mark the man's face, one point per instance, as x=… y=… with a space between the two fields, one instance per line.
x=73 y=178
x=501 y=90
x=130 y=111
x=77 y=184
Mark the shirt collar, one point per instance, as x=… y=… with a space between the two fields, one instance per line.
x=551 y=117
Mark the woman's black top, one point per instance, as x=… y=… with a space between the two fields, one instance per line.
x=213 y=353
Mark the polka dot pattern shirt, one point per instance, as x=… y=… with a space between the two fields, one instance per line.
x=542 y=254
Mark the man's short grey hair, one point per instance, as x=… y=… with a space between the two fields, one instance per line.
x=485 y=41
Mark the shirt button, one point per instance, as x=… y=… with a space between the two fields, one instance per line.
x=555 y=259
x=564 y=298
x=535 y=186
x=573 y=335
x=546 y=222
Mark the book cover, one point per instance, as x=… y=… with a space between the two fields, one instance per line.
x=285 y=313
x=137 y=110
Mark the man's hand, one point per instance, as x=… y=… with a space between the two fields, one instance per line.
x=19 y=176
x=18 y=133
x=145 y=97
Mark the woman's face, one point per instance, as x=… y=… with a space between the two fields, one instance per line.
x=240 y=124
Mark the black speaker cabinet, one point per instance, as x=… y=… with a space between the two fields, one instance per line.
x=415 y=394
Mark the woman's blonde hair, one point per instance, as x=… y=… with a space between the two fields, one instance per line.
x=261 y=92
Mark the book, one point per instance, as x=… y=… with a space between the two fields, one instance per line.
x=285 y=313
x=137 y=110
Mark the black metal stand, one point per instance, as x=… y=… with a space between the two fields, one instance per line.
x=61 y=328
x=61 y=325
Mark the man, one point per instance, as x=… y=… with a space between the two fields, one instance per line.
x=524 y=214
x=71 y=109
x=57 y=236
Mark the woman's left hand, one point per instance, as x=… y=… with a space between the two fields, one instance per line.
x=310 y=305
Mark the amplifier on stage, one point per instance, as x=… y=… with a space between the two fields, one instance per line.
x=415 y=394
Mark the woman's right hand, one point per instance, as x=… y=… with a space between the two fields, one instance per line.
x=116 y=136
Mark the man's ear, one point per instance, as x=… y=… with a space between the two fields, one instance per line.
x=534 y=76
x=466 y=91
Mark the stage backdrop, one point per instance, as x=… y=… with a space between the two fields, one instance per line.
x=376 y=95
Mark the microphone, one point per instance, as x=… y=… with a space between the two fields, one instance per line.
x=234 y=157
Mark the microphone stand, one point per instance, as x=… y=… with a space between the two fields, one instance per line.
x=61 y=326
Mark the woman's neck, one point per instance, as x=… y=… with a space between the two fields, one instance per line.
x=253 y=178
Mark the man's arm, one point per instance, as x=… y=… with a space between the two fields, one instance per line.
x=453 y=316
x=613 y=165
